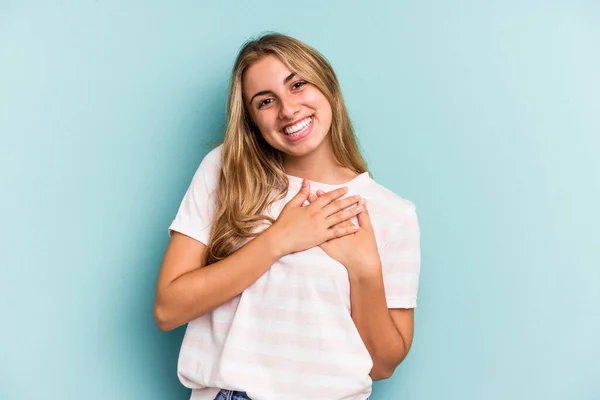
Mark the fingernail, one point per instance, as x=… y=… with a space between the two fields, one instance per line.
x=363 y=201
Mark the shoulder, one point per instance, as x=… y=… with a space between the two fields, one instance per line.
x=393 y=217
x=213 y=157
x=210 y=166
x=390 y=213
x=384 y=200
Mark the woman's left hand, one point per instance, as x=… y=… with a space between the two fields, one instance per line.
x=358 y=251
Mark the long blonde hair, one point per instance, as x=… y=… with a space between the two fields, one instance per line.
x=252 y=175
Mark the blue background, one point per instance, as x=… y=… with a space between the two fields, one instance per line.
x=485 y=114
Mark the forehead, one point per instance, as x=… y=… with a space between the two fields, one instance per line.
x=266 y=74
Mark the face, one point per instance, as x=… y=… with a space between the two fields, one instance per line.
x=292 y=115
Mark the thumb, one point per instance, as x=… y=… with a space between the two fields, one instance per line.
x=303 y=194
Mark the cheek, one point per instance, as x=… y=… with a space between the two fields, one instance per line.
x=319 y=101
x=262 y=121
x=315 y=97
x=266 y=123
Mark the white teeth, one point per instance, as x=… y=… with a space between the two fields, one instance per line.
x=295 y=130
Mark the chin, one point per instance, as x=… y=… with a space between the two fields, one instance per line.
x=303 y=149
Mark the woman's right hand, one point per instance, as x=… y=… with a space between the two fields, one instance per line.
x=301 y=227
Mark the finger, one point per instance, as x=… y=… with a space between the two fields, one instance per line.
x=303 y=194
x=344 y=215
x=340 y=204
x=344 y=224
x=329 y=197
x=320 y=193
x=337 y=232
x=312 y=198
x=364 y=220
x=309 y=200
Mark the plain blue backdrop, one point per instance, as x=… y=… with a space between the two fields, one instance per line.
x=485 y=114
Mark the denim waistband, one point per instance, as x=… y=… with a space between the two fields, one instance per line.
x=233 y=395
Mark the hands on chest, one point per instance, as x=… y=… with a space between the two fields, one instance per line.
x=324 y=219
x=356 y=251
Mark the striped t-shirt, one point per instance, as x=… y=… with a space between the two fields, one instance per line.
x=290 y=335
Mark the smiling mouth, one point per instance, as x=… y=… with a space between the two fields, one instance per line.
x=297 y=128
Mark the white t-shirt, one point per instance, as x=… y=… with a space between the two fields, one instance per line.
x=290 y=335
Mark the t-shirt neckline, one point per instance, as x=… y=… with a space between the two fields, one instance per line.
x=351 y=184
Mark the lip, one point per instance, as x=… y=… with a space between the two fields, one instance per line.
x=296 y=121
x=302 y=135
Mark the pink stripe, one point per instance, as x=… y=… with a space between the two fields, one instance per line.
x=325 y=366
x=400 y=290
x=304 y=292
x=258 y=335
x=262 y=383
x=410 y=243
x=297 y=316
x=390 y=268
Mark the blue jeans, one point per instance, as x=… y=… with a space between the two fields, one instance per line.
x=231 y=395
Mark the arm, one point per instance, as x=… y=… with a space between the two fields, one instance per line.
x=186 y=291
x=387 y=333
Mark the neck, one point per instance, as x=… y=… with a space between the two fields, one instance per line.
x=319 y=166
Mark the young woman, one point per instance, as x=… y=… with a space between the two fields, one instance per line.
x=293 y=286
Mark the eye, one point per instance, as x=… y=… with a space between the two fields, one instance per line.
x=299 y=84
x=265 y=102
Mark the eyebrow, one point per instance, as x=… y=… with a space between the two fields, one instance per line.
x=263 y=92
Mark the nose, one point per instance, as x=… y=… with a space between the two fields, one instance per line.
x=288 y=109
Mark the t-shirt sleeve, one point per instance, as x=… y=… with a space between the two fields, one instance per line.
x=195 y=214
x=401 y=262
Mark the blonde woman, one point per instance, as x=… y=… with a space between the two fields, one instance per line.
x=292 y=284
